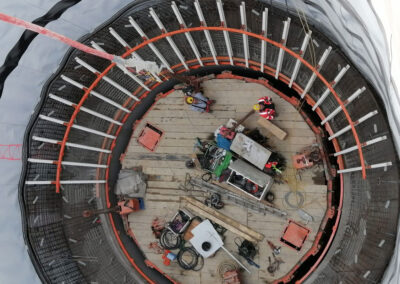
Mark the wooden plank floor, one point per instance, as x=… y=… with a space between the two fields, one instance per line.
x=166 y=170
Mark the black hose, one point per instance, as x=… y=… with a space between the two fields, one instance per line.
x=169 y=240
x=191 y=265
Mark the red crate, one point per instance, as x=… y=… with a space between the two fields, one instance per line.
x=295 y=235
x=150 y=137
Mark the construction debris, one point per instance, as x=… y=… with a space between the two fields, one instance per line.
x=223 y=220
x=259 y=207
x=131 y=184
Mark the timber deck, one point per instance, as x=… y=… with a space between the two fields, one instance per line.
x=166 y=175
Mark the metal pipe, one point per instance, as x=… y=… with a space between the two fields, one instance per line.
x=84 y=109
x=187 y=34
x=69 y=144
x=348 y=127
x=338 y=109
x=66 y=163
x=314 y=76
x=30 y=182
x=124 y=69
x=94 y=93
x=107 y=79
x=285 y=33
x=298 y=63
x=243 y=19
x=264 y=33
x=327 y=91
x=206 y=32
x=356 y=169
x=354 y=148
x=226 y=34
x=86 y=129
x=169 y=39
x=151 y=45
x=119 y=38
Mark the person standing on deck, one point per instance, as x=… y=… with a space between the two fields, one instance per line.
x=265 y=108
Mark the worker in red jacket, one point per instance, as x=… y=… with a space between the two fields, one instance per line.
x=265 y=108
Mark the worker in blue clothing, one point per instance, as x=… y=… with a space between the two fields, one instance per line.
x=197 y=101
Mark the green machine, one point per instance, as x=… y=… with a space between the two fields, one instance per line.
x=213 y=159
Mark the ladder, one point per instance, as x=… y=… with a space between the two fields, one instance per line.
x=237 y=199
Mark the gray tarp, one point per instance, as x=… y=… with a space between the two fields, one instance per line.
x=352 y=24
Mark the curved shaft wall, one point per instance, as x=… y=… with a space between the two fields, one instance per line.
x=70 y=248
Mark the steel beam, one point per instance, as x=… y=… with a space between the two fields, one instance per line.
x=345 y=103
x=33 y=182
x=264 y=33
x=226 y=34
x=107 y=79
x=354 y=148
x=314 y=76
x=285 y=33
x=348 y=127
x=243 y=20
x=67 y=163
x=298 y=62
x=357 y=169
x=123 y=69
x=84 y=109
x=69 y=144
x=76 y=126
x=169 y=39
x=151 y=45
x=337 y=79
x=188 y=35
x=94 y=93
x=206 y=32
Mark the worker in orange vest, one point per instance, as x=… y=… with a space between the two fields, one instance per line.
x=266 y=108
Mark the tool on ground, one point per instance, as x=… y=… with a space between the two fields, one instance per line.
x=231 y=277
x=275 y=250
x=251 y=262
x=157 y=227
x=240 y=200
x=207 y=241
x=307 y=158
x=228 y=271
x=229 y=132
x=249 y=180
x=180 y=221
x=124 y=208
x=189 y=259
x=274 y=266
x=167 y=257
x=155 y=247
x=305 y=216
x=247 y=250
x=214 y=201
x=213 y=159
x=170 y=240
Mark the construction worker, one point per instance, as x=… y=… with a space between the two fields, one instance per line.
x=198 y=102
x=266 y=108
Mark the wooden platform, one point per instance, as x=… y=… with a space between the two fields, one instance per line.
x=166 y=170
